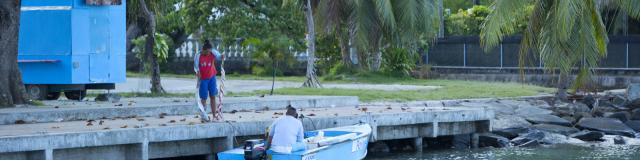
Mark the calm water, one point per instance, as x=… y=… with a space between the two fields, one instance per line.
x=560 y=152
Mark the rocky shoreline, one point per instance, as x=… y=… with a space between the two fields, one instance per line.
x=602 y=120
x=593 y=120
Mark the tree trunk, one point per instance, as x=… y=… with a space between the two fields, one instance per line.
x=311 y=78
x=11 y=87
x=344 y=50
x=377 y=60
x=563 y=84
x=133 y=31
x=156 y=86
x=353 y=50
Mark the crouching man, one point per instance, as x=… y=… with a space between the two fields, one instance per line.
x=286 y=134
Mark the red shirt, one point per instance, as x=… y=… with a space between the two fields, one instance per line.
x=207 y=66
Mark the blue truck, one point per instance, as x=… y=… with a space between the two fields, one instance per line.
x=70 y=46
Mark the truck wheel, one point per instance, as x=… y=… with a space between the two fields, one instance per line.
x=37 y=92
x=53 y=95
x=75 y=95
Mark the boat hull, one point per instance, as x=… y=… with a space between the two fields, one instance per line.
x=343 y=148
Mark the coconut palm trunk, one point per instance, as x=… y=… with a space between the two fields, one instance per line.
x=12 y=90
x=311 y=77
x=150 y=29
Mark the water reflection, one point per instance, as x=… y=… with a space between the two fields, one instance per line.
x=568 y=152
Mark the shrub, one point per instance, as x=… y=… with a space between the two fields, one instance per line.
x=271 y=54
x=398 y=61
x=469 y=21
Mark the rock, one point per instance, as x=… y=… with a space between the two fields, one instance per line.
x=540 y=104
x=606 y=125
x=634 y=124
x=608 y=141
x=570 y=119
x=618 y=140
x=633 y=94
x=528 y=110
x=547 y=119
x=108 y=97
x=618 y=100
x=622 y=116
x=508 y=121
x=635 y=114
x=606 y=106
x=579 y=107
x=582 y=115
x=587 y=135
x=555 y=129
x=589 y=100
x=493 y=140
x=511 y=132
x=527 y=138
x=554 y=138
x=572 y=108
x=532 y=143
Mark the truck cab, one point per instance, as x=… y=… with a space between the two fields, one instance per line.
x=70 y=46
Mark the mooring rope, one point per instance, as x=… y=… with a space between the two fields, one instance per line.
x=218 y=115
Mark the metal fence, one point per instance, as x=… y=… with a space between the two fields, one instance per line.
x=466 y=52
x=234 y=52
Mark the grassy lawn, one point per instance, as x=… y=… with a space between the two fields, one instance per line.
x=451 y=89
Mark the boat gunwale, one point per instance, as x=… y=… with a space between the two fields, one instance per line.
x=365 y=133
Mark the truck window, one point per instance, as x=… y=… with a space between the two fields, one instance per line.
x=103 y=2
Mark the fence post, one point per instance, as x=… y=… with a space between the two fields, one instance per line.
x=501 y=57
x=627 y=55
x=464 y=54
x=426 y=59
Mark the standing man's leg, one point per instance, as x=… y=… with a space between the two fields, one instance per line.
x=213 y=92
x=203 y=92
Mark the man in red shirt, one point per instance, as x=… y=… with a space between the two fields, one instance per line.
x=205 y=68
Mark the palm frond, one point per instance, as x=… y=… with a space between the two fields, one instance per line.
x=386 y=12
x=631 y=7
x=499 y=23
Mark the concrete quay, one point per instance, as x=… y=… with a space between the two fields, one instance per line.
x=183 y=135
x=60 y=111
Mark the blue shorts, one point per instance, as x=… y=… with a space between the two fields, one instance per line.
x=208 y=87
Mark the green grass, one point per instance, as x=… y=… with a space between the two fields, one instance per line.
x=450 y=89
x=473 y=90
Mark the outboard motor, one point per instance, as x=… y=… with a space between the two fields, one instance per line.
x=250 y=151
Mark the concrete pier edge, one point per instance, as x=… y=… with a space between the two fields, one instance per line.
x=158 y=142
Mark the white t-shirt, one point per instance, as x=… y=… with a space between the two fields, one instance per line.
x=286 y=131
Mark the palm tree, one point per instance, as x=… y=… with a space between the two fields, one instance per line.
x=311 y=77
x=566 y=33
x=11 y=87
x=373 y=25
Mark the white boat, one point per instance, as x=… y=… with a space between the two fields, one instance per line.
x=341 y=143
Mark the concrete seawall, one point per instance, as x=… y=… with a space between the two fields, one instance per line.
x=183 y=135
x=73 y=110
